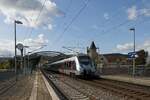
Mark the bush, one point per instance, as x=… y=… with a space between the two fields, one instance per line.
x=5 y=65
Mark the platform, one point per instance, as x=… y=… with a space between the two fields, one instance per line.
x=29 y=87
x=145 y=81
x=39 y=90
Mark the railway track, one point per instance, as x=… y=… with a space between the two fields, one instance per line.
x=51 y=81
x=130 y=90
x=5 y=86
x=69 y=90
x=124 y=89
x=78 y=89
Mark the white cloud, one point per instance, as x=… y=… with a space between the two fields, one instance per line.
x=7 y=46
x=50 y=27
x=36 y=42
x=145 y=12
x=146 y=45
x=28 y=10
x=132 y=13
x=95 y=27
x=106 y=16
x=124 y=47
x=127 y=47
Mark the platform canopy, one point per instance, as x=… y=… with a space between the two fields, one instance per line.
x=49 y=53
x=50 y=56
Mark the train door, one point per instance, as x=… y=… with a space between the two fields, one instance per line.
x=72 y=68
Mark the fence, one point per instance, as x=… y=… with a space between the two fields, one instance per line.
x=124 y=70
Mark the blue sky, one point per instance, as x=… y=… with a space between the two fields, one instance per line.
x=106 y=22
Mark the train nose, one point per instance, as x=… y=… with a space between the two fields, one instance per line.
x=87 y=72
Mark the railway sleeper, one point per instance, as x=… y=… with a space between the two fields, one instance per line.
x=121 y=92
x=124 y=87
x=129 y=90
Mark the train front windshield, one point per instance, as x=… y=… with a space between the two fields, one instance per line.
x=85 y=60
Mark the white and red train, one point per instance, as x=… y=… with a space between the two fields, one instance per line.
x=80 y=65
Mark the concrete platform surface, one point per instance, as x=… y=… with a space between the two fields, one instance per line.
x=42 y=91
x=130 y=79
x=20 y=90
x=29 y=87
x=39 y=90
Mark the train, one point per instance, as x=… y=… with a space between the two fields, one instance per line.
x=78 y=65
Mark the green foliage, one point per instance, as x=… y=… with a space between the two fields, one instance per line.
x=5 y=64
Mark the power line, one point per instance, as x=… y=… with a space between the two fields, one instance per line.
x=73 y=19
x=115 y=13
x=65 y=16
x=114 y=27
x=67 y=11
x=119 y=25
x=36 y=19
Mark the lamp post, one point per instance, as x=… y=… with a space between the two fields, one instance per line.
x=133 y=29
x=16 y=22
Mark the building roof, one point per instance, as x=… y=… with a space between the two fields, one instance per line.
x=92 y=45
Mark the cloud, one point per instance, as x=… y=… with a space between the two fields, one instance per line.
x=34 y=43
x=106 y=16
x=127 y=47
x=28 y=10
x=146 y=45
x=124 y=47
x=145 y=12
x=134 y=13
x=95 y=27
x=7 y=46
x=50 y=27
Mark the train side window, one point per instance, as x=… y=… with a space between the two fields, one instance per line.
x=73 y=65
x=67 y=65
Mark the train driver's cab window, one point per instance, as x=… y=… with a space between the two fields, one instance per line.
x=73 y=65
x=85 y=60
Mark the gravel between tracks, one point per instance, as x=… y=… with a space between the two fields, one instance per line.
x=76 y=90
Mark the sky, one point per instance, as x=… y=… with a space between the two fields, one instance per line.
x=75 y=24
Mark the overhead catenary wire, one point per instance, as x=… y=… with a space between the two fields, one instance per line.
x=115 y=14
x=68 y=7
x=110 y=20
x=117 y=26
x=71 y=22
x=67 y=12
x=37 y=18
x=114 y=27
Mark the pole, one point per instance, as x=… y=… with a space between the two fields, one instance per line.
x=16 y=22
x=24 y=60
x=134 y=54
x=28 y=60
x=21 y=61
x=29 y=69
x=15 y=50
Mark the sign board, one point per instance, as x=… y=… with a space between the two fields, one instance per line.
x=132 y=55
x=19 y=46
